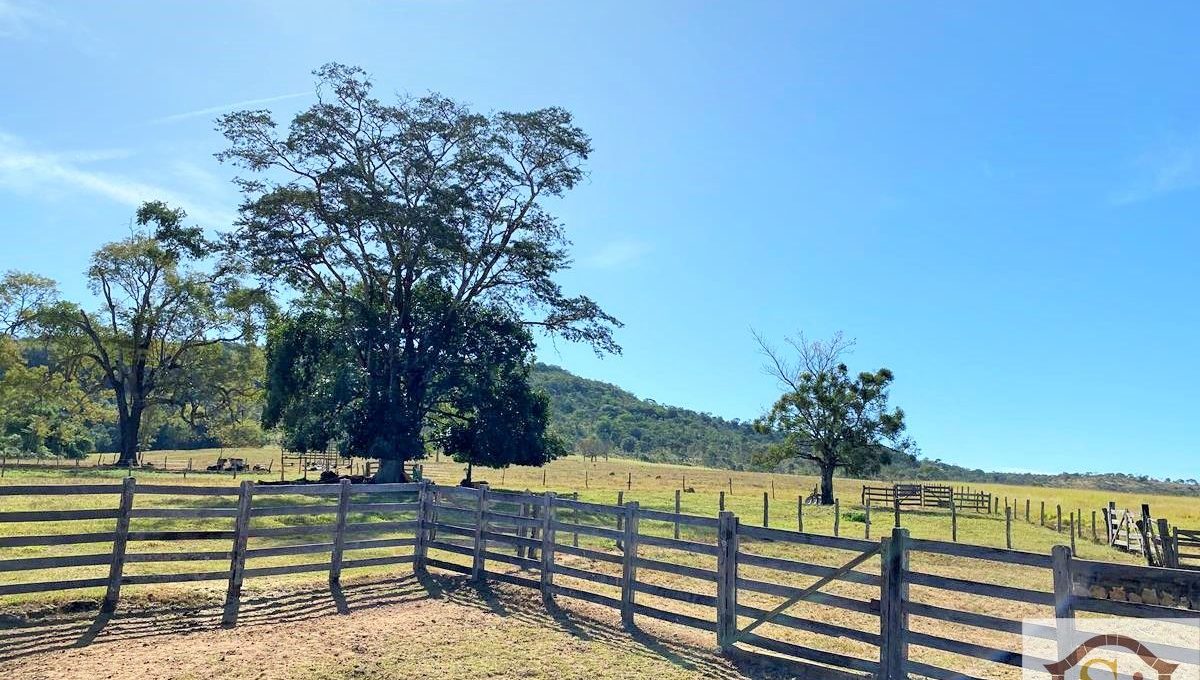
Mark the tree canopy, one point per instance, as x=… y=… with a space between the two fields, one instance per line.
x=418 y=236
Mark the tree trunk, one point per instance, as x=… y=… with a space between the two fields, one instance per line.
x=391 y=470
x=130 y=425
x=827 y=484
x=409 y=446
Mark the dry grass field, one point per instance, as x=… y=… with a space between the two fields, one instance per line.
x=379 y=641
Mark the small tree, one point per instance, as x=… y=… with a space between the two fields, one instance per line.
x=828 y=416
x=156 y=315
x=503 y=421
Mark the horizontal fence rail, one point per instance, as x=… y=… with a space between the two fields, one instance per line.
x=707 y=573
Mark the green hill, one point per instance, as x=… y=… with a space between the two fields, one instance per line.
x=599 y=418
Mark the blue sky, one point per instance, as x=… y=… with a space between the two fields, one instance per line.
x=998 y=200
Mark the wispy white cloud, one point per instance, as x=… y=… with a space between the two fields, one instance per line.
x=222 y=108
x=51 y=175
x=20 y=19
x=618 y=253
x=1171 y=167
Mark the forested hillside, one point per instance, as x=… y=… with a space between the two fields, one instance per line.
x=601 y=418
x=597 y=417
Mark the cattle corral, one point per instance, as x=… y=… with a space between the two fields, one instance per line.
x=680 y=568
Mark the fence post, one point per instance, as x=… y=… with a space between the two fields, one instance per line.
x=893 y=619
x=1095 y=536
x=800 y=513
x=1059 y=525
x=629 y=563
x=867 y=520
x=727 y=545
x=477 y=564
x=1043 y=513
x=1064 y=605
x=896 y=502
x=548 y=548
x=620 y=518
x=676 y=514
x=837 y=516
x=766 y=510
x=1168 y=550
x=1008 y=527
x=721 y=502
x=575 y=519
x=237 y=567
x=1026 y=510
x=339 y=534
x=120 y=541
x=522 y=530
x=953 y=521
x=421 y=548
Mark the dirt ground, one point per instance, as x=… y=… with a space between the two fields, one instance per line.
x=401 y=628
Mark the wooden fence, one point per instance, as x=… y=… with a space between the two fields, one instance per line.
x=621 y=563
x=904 y=496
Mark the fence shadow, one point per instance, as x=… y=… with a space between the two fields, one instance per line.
x=586 y=622
x=65 y=631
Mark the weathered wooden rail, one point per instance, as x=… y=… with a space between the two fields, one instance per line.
x=844 y=606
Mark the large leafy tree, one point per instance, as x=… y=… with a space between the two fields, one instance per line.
x=43 y=409
x=400 y=225
x=827 y=415
x=159 y=309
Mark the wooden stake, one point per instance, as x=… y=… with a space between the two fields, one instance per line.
x=237 y=567
x=1064 y=607
x=339 y=534
x=953 y=521
x=120 y=541
x=766 y=510
x=837 y=516
x=620 y=517
x=548 y=547
x=480 y=543
x=727 y=545
x=800 y=513
x=867 y=524
x=629 y=564
x=676 y=514
x=893 y=620
x=1008 y=526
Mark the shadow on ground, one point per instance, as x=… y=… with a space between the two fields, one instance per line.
x=66 y=631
